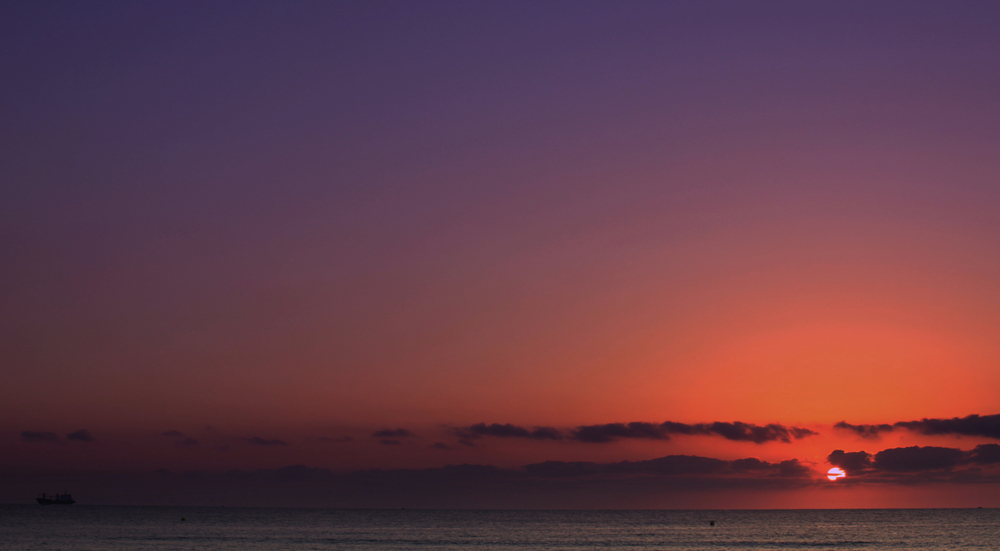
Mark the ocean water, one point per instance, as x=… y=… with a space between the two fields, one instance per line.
x=81 y=527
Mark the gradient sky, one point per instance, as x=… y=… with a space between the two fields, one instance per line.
x=242 y=236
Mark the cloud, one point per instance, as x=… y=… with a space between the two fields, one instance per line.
x=38 y=436
x=389 y=442
x=392 y=433
x=256 y=440
x=985 y=454
x=852 y=462
x=971 y=425
x=749 y=464
x=737 y=431
x=759 y=434
x=915 y=464
x=609 y=432
x=792 y=468
x=507 y=431
x=81 y=435
x=864 y=431
x=916 y=458
x=441 y=446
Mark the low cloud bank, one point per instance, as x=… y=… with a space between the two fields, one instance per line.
x=675 y=480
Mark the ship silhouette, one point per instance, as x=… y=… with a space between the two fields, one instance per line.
x=59 y=499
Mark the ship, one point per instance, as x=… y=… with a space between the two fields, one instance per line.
x=59 y=499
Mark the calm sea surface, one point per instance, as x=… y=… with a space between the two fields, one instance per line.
x=137 y=528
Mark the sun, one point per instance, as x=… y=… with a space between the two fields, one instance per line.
x=835 y=473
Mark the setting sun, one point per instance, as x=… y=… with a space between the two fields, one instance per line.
x=835 y=473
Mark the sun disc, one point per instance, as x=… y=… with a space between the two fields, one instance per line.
x=835 y=473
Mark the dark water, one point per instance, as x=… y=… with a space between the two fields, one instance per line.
x=138 y=528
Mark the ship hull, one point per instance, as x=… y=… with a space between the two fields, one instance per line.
x=47 y=501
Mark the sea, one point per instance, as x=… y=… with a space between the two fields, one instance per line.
x=82 y=527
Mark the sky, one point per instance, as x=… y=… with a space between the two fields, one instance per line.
x=501 y=254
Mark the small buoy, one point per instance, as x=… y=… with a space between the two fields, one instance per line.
x=183 y=519
x=711 y=523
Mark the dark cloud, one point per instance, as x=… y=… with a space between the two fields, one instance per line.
x=759 y=434
x=610 y=432
x=852 y=462
x=749 y=464
x=466 y=442
x=736 y=431
x=792 y=468
x=441 y=446
x=916 y=458
x=389 y=442
x=38 y=436
x=256 y=440
x=507 y=431
x=546 y=433
x=971 y=425
x=392 y=433
x=912 y=459
x=918 y=465
x=674 y=465
x=81 y=435
x=985 y=454
x=864 y=431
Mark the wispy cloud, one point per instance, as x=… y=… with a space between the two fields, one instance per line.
x=610 y=432
x=478 y=430
x=971 y=425
x=737 y=431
